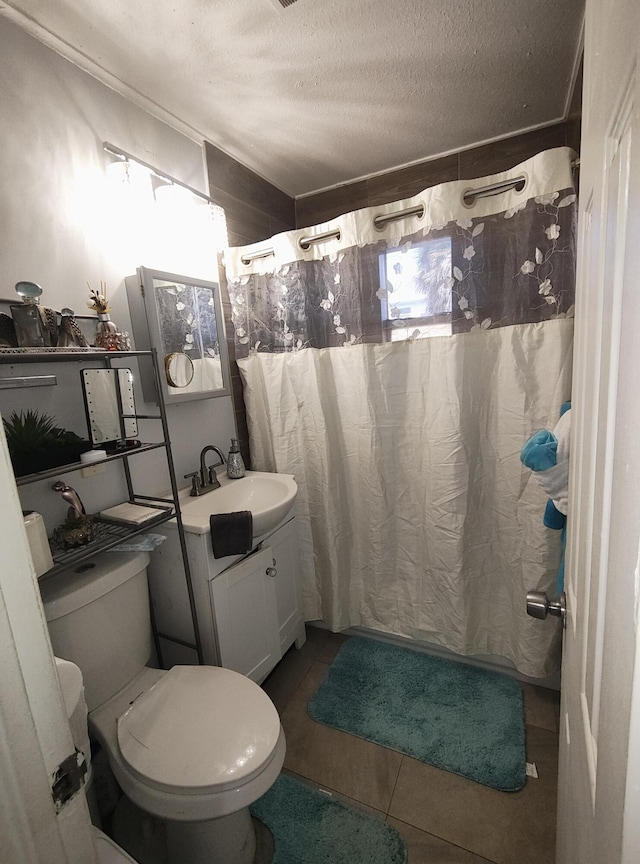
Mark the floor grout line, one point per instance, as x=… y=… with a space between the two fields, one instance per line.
x=395 y=785
x=448 y=842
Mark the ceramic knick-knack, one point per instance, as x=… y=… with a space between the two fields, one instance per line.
x=31 y=320
x=78 y=529
x=69 y=333
x=235 y=462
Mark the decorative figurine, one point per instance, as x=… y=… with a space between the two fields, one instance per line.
x=69 y=333
x=78 y=529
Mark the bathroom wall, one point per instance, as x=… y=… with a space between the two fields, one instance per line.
x=57 y=229
x=255 y=209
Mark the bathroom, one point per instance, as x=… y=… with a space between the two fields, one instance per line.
x=53 y=171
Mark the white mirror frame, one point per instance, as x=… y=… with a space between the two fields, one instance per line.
x=149 y=280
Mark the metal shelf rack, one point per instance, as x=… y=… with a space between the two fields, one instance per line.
x=110 y=534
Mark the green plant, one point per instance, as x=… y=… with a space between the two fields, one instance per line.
x=30 y=430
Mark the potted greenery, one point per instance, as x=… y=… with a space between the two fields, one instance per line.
x=37 y=444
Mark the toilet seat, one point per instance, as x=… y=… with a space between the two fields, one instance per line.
x=199 y=729
x=180 y=801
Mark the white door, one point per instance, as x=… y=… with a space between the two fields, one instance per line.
x=599 y=785
x=34 y=733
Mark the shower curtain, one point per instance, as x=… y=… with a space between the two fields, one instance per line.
x=396 y=364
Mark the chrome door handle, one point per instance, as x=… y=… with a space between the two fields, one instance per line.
x=271 y=571
x=539 y=605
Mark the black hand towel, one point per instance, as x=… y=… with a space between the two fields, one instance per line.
x=231 y=533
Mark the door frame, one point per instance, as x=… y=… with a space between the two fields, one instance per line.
x=599 y=765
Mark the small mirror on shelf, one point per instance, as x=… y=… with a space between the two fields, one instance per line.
x=110 y=404
x=182 y=319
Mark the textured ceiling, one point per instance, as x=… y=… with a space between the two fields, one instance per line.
x=321 y=93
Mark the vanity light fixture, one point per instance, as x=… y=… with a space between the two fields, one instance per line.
x=162 y=185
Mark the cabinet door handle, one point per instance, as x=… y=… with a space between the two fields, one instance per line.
x=271 y=571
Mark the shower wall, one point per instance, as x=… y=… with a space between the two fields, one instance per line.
x=255 y=209
x=405 y=182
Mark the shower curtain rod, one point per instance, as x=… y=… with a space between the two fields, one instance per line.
x=380 y=221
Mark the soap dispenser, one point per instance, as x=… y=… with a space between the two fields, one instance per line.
x=235 y=462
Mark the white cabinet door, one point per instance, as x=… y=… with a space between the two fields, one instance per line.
x=284 y=547
x=245 y=614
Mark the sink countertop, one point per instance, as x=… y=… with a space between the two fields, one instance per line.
x=267 y=504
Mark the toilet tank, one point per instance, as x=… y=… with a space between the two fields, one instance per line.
x=98 y=617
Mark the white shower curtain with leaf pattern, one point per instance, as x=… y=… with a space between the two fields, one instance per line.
x=396 y=368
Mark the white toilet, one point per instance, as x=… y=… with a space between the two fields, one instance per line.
x=194 y=746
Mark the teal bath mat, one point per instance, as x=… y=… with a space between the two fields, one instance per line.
x=310 y=827
x=466 y=720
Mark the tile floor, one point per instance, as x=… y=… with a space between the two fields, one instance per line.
x=443 y=818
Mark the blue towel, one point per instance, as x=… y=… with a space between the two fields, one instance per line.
x=540 y=453
x=553 y=518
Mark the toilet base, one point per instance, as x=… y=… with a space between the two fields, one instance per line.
x=138 y=833
x=228 y=840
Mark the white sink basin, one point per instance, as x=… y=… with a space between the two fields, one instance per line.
x=270 y=498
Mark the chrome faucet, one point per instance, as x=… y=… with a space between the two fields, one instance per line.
x=208 y=475
x=205 y=480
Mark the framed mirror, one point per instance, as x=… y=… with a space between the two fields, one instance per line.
x=184 y=323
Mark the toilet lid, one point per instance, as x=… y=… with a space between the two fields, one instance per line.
x=197 y=728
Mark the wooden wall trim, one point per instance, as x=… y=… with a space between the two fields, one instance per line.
x=405 y=182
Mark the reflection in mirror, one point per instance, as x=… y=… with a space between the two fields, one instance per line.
x=184 y=317
x=188 y=326
x=109 y=403
x=179 y=369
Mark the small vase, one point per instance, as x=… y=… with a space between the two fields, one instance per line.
x=108 y=337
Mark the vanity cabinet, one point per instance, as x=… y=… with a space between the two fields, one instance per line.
x=249 y=609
